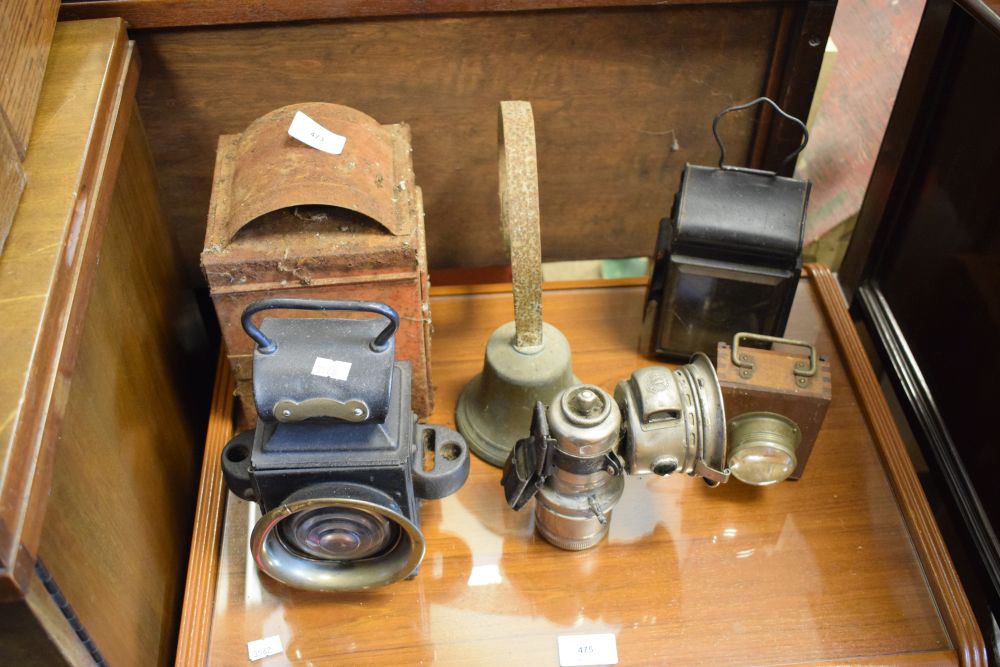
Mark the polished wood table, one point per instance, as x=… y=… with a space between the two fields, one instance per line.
x=844 y=566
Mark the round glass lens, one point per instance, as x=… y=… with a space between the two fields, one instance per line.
x=761 y=464
x=333 y=533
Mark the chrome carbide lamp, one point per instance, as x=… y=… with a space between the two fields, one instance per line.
x=661 y=421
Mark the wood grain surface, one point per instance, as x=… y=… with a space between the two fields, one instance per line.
x=818 y=571
x=12 y=181
x=59 y=636
x=203 y=562
x=115 y=538
x=179 y=13
x=26 y=27
x=927 y=540
x=622 y=98
x=45 y=268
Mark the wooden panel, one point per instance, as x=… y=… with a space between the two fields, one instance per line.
x=203 y=562
x=27 y=27
x=11 y=181
x=24 y=640
x=116 y=534
x=612 y=89
x=799 y=63
x=818 y=571
x=174 y=13
x=45 y=268
x=34 y=631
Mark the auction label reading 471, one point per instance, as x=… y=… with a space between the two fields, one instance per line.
x=587 y=650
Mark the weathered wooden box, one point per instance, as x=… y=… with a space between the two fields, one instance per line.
x=289 y=220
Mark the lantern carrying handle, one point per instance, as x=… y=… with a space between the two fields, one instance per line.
x=266 y=345
x=747 y=105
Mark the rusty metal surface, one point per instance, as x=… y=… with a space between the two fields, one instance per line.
x=520 y=218
x=315 y=243
x=272 y=171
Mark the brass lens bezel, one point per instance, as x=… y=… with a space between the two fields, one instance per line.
x=768 y=429
x=275 y=559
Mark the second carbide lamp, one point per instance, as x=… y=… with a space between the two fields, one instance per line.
x=661 y=421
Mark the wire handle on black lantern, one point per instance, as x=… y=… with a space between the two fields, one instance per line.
x=266 y=346
x=740 y=107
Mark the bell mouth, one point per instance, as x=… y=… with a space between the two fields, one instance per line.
x=494 y=409
x=336 y=544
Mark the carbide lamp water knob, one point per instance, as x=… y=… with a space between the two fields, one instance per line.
x=585 y=402
x=584 y=405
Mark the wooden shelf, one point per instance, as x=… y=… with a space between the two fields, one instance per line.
x=845 y=565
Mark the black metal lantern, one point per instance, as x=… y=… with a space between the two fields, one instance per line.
x=728 y=258
x=337 y=461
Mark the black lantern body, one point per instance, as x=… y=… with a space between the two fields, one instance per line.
x=337 y=463
x=727 y=259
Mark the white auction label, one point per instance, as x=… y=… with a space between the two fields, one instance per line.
x=581 y=650
x=331 y=368
x=311 y=133
x=261 y=648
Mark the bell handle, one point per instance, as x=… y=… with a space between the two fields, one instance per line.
x=266 y=345
x=520 y=219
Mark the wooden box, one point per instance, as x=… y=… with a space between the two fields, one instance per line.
x=289 y=220
x=769 y=382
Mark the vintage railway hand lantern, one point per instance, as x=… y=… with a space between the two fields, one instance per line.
x=337 y=462
x=728 y=257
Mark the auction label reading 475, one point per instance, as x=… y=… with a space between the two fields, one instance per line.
x=587 y=650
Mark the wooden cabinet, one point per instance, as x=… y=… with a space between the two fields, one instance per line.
x=98 y=451
x=26 y=27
